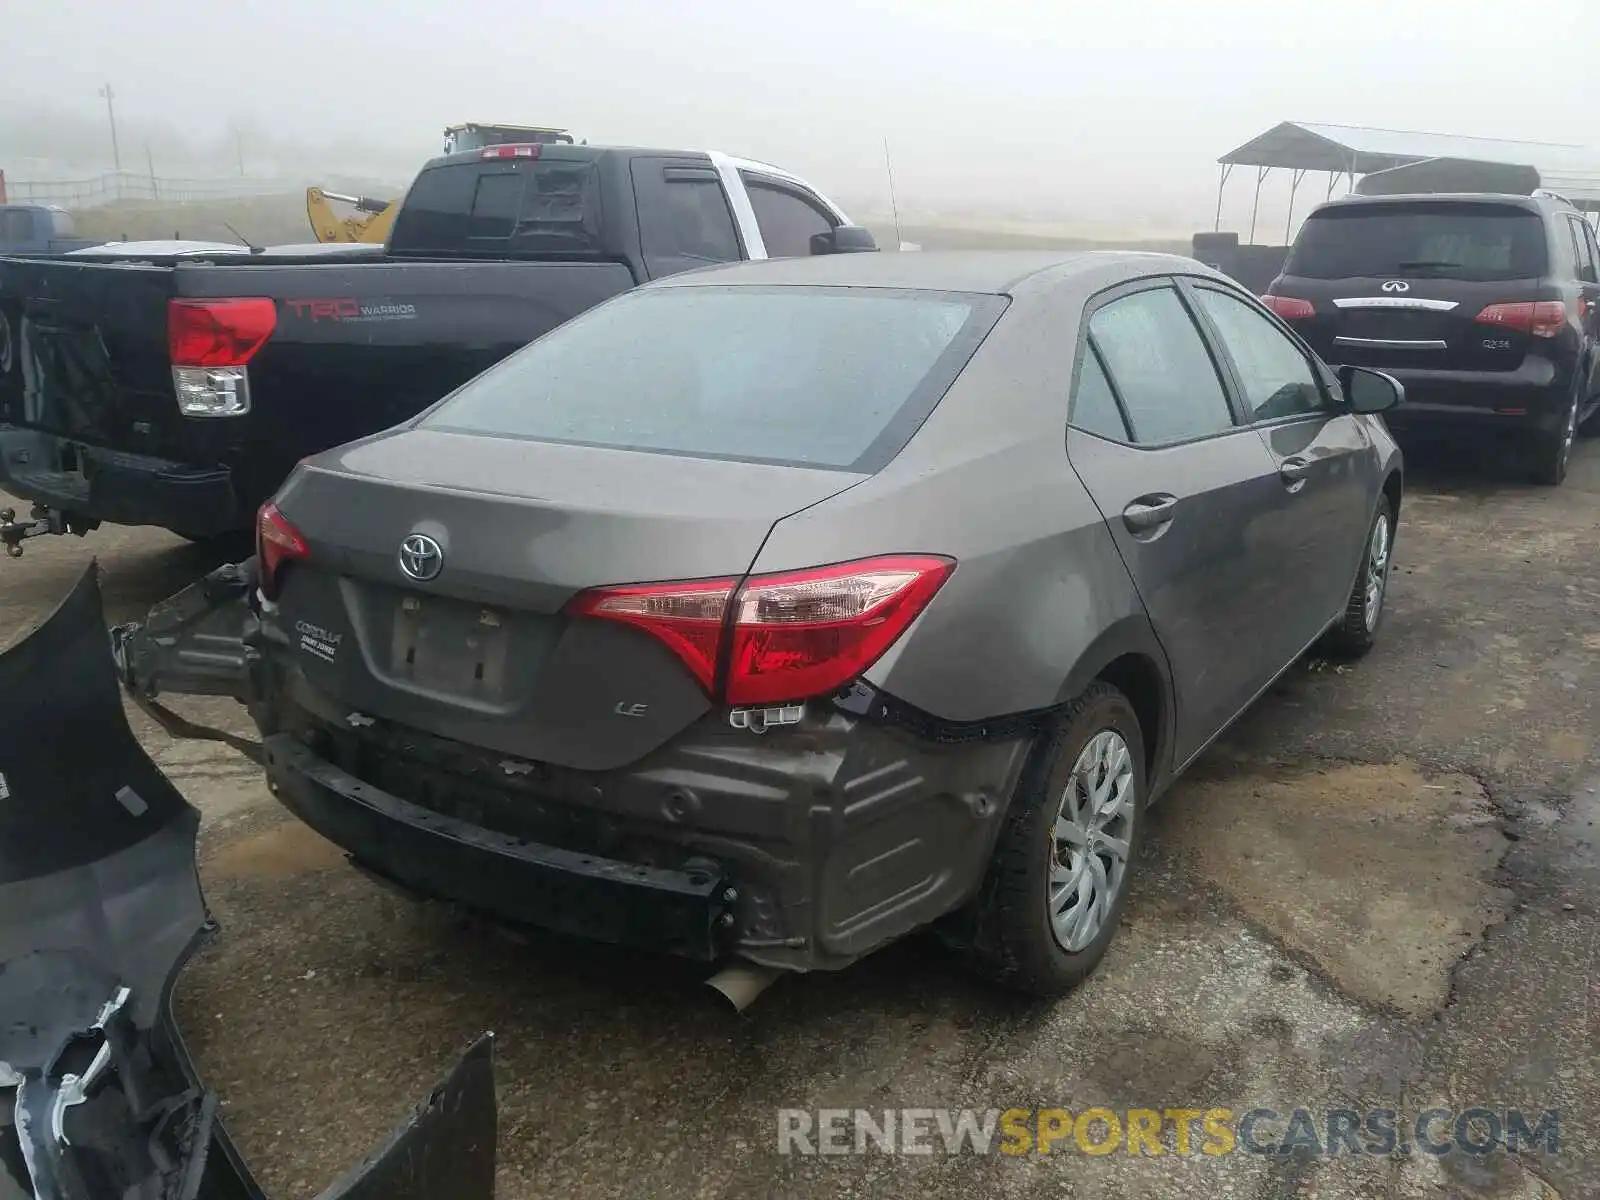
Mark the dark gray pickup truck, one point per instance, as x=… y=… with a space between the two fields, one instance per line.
x=178 y=389
x=37 y=229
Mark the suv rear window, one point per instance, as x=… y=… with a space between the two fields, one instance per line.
x=502 y=206
x=819 y=377
x=1477 y=242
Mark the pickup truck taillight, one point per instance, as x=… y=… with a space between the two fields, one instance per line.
x=210 y=342
x=785 y=637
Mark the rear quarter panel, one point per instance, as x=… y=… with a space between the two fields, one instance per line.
x=1040 y=599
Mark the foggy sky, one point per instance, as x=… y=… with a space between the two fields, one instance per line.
x=1099 y=114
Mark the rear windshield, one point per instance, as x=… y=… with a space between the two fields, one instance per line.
x=822 y=377
x=1478 y=242
x=503 y=206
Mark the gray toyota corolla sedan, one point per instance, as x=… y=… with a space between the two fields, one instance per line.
x=773 y=612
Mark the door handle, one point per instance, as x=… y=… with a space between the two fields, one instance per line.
x=1293 y=470
x=1151 y=513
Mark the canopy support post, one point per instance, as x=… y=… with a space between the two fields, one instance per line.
x=1294 y=186
x=1261 y=174
x=1227 y=169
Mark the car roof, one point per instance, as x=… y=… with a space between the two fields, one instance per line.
x=999 y=272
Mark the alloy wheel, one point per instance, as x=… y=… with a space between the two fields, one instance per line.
x=1089 y=843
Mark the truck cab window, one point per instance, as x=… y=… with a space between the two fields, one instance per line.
x=701 y=221
x=786 y=218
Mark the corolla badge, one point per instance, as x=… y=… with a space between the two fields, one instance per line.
x=421 y=557
x=1396 y=285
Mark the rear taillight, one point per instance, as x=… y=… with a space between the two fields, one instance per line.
x=277 y=542
x=1539 y=318
x=210 y=342
x=788 y=636
x=1290 y=308
x=520 y=150
x=688 y=617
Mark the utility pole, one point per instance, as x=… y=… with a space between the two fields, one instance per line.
x=238 y=141
x=111 y=112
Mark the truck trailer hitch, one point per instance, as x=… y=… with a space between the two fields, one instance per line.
x=42 y=521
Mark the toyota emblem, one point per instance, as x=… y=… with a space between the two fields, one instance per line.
x=421 y=558
x=1396 y=285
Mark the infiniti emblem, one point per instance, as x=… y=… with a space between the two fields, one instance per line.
x=420 y=557
x=1396 y=285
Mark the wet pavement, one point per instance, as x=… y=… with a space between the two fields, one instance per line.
x=1381 y=891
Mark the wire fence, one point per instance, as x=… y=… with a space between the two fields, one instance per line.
x=124 y=186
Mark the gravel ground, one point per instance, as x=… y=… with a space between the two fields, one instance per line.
x=1379 y=891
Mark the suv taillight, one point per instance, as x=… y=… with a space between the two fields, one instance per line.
x=1539 y=318
x=277 y=542
x=1290 y=308
x=210 y=342
x=788 y=636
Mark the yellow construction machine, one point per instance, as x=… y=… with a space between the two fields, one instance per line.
x=370 y=223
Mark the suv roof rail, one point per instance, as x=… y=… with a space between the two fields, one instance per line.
x=1547 y=194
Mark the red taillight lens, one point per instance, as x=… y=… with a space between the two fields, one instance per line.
x=793 y=635
x=807 y=633
x=218 y=333
x=521 y=150
x=277 y=542
x=1289 y=307
x=1539 y=318
x=688 y=617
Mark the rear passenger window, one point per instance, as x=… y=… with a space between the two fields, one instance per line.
x=1094 y=405
x=1160 y=367
x=1276 y=377
x=1582 y=248
x=702 y=223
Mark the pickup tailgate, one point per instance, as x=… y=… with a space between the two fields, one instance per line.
x=353 y=347
x=83 y=350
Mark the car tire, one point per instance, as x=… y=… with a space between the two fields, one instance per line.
x=1552 y=451
x=1356 y=630
x=1095 y=745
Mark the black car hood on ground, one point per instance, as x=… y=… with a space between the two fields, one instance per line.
x=100 y=907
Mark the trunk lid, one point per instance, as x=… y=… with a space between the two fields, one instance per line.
x=480 y=652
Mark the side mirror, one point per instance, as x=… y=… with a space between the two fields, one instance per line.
x=1368 y=391
x=843 y=239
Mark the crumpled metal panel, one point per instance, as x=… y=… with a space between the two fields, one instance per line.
x=100 y=907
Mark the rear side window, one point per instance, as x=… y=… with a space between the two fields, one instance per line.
x=820 y=377
x=16 y=225
x=1474 y=242
x=684 y=218
x=1094 y=405
x=544 y=206
x=787 y=219
x=1583 y=249
x=1160 y=367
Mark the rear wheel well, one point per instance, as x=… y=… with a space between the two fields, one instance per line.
x=1137 y=678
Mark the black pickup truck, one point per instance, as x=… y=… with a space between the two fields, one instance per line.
x=179 y=389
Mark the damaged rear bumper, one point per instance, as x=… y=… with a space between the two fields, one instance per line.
x=802 y=848
x=100 y=907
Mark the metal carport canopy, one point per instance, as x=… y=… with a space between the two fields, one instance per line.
x=1304 y=146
